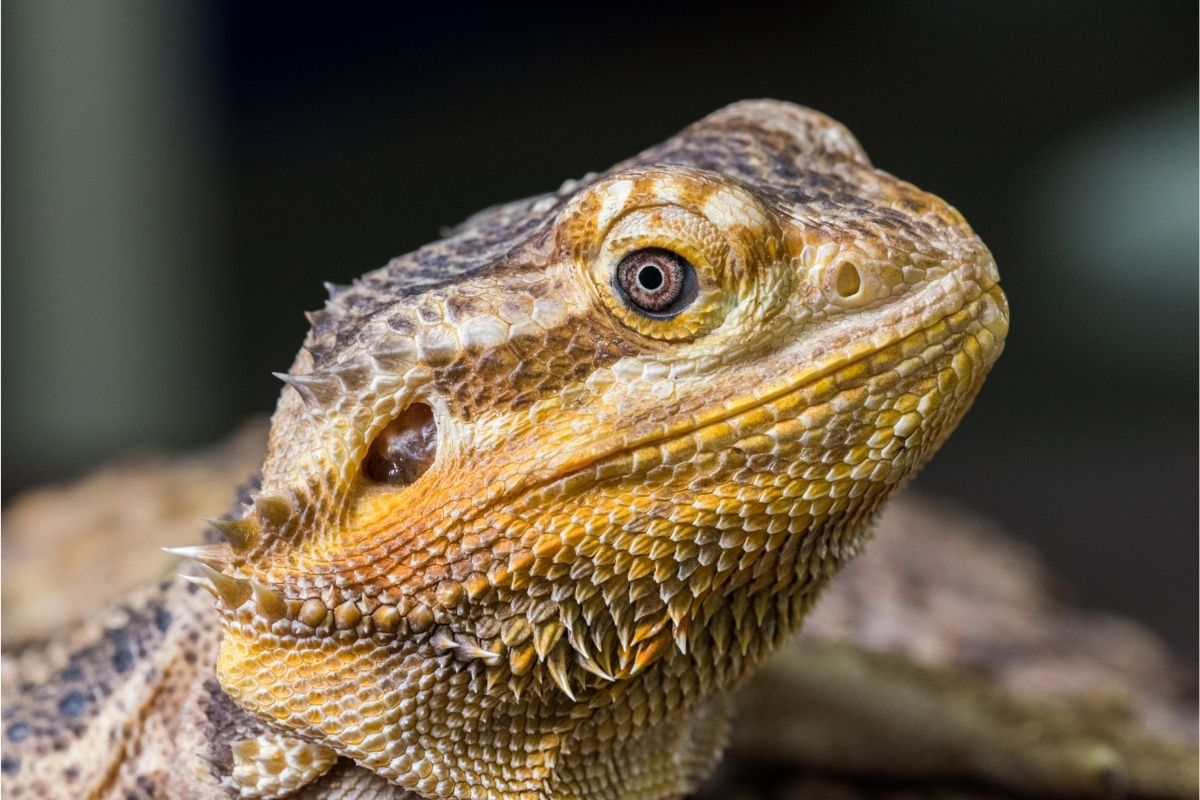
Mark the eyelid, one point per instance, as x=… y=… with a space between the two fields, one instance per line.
x=679 y=230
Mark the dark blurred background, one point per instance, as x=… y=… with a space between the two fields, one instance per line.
x=180 y=179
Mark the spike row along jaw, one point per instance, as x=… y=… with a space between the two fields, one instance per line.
x=269 y=512
x=248 y=603
x=252 y=608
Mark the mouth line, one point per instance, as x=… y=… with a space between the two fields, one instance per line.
x=749 y=404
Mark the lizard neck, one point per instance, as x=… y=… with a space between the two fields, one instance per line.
x=649 y=702
x=666 y=760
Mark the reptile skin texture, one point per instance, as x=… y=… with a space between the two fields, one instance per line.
x=518 y=536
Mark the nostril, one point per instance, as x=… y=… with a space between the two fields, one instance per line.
x=846 y=280
x=405 y=449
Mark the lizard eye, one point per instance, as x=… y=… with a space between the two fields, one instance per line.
x=657 y=282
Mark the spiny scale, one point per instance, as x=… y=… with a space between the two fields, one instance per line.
x=269 y=602
x=353 y=377
x=556 y=665
x=316 y=390
x=242 y=534
x=335 y=289
x=214 y=555
x=274 y=509
x=232 y=592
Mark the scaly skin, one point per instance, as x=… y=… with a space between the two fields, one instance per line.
x=624 y=513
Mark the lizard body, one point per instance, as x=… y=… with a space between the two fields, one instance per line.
x=540 y=494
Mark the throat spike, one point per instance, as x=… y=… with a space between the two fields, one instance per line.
x=203 y=583
x=275 y=509
x=591 y=666
x=442 y=641
x=270 y=602
x=233 y=592
x=215 y=555
x=556 y=665
x=546 y=636
x=242 y=534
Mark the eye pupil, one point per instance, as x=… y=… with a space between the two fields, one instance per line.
x=656 y=281
x=650 y=278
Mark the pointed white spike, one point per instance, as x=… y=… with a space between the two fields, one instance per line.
x=442 y=641
x=592 y=667
x=203 y=583
x=314 y=390
x=218 y=554
x=474 y=651
x=680 y=634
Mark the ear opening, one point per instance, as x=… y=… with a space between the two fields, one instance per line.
x=405 y=449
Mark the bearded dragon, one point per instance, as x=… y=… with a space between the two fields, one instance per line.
x=538 y=495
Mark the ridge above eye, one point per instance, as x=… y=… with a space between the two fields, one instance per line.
x=656 y=282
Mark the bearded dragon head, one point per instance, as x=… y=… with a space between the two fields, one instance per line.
x=544 y=488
